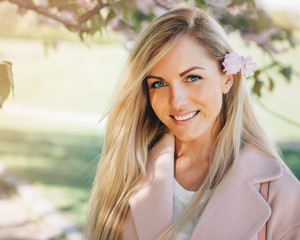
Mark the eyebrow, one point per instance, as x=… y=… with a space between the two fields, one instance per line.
x=158 y=78
x=180 y=74
x=190 y=69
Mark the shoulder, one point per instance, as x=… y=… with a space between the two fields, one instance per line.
x=284 y=196
x=284 y=191
x=287 y=183
x=258 y=166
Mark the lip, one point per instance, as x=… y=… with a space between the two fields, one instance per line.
x=184 y=122
x=183 y=113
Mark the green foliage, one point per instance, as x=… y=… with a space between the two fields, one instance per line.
x=138 y=18
x=292 y=159
x=111 y=15
x=63 y=5
x=286 y=72
x=271 y=84
x=6 y=80
x=201 y=4
x=257 y=83
x=97 y=23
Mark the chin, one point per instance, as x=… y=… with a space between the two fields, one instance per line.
x=186 y=137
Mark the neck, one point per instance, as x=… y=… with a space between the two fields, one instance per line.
x=192 y=162
x=192 y=159
x=197 y=151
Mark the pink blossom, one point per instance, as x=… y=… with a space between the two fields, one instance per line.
x=219 y=4
x=85 y=4
x=81 y=3
x=232 y=63
x=145 y=6
x=22 y=11
x=114 y=22
x=157 y=10
x=237 y=9
x=168 y=3
x=44 y=3
x=68 y=15
x=248 y=66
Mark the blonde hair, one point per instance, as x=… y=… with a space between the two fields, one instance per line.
x=133 y=127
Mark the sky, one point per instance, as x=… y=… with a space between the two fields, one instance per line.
x=274 y=5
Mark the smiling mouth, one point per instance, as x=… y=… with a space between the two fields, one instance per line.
x=186 y=117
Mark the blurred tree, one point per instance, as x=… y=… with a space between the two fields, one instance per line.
x=87 y=17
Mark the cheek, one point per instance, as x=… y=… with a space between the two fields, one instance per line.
x=212 y=100
x=216 y=102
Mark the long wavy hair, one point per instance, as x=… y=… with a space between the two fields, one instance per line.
x=133 y=127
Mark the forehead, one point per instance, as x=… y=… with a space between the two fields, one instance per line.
x=187 y=52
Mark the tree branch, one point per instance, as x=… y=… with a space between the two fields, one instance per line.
x=86 y=16
x=45 y=12
x=161 y=5
x=278 y=115
x=73 y=26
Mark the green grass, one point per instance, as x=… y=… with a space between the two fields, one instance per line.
x=292 y=159
x=62 y=165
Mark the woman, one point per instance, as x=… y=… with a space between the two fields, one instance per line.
x=184 y=154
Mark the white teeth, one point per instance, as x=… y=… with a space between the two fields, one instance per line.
x=186 y=117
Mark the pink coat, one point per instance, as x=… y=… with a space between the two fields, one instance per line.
x=236 y=211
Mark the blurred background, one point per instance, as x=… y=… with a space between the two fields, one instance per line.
x=66 y=59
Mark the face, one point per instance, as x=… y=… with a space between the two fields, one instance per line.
x=185 y=90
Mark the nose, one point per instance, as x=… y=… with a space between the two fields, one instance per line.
x=178 y=96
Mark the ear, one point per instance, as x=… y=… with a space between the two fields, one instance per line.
x=227 y=82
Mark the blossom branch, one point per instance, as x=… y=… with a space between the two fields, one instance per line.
x=85 y=17
x=161 y=5
x=73 y=26
x=45 y=12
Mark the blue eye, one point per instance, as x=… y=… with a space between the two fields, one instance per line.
x=193 y=78
x=158 y=84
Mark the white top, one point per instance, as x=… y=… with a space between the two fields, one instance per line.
x=182 y=197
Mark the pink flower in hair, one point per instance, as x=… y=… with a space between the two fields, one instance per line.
x=248 y=66
x=232 y=63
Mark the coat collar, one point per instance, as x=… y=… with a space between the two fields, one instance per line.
x=234 y=202
x=257 y=166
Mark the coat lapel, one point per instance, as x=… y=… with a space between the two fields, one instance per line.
x=237 y=210
x=152 y=205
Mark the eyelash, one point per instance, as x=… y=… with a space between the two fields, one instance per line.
x=154 y=85
x=192 y=76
